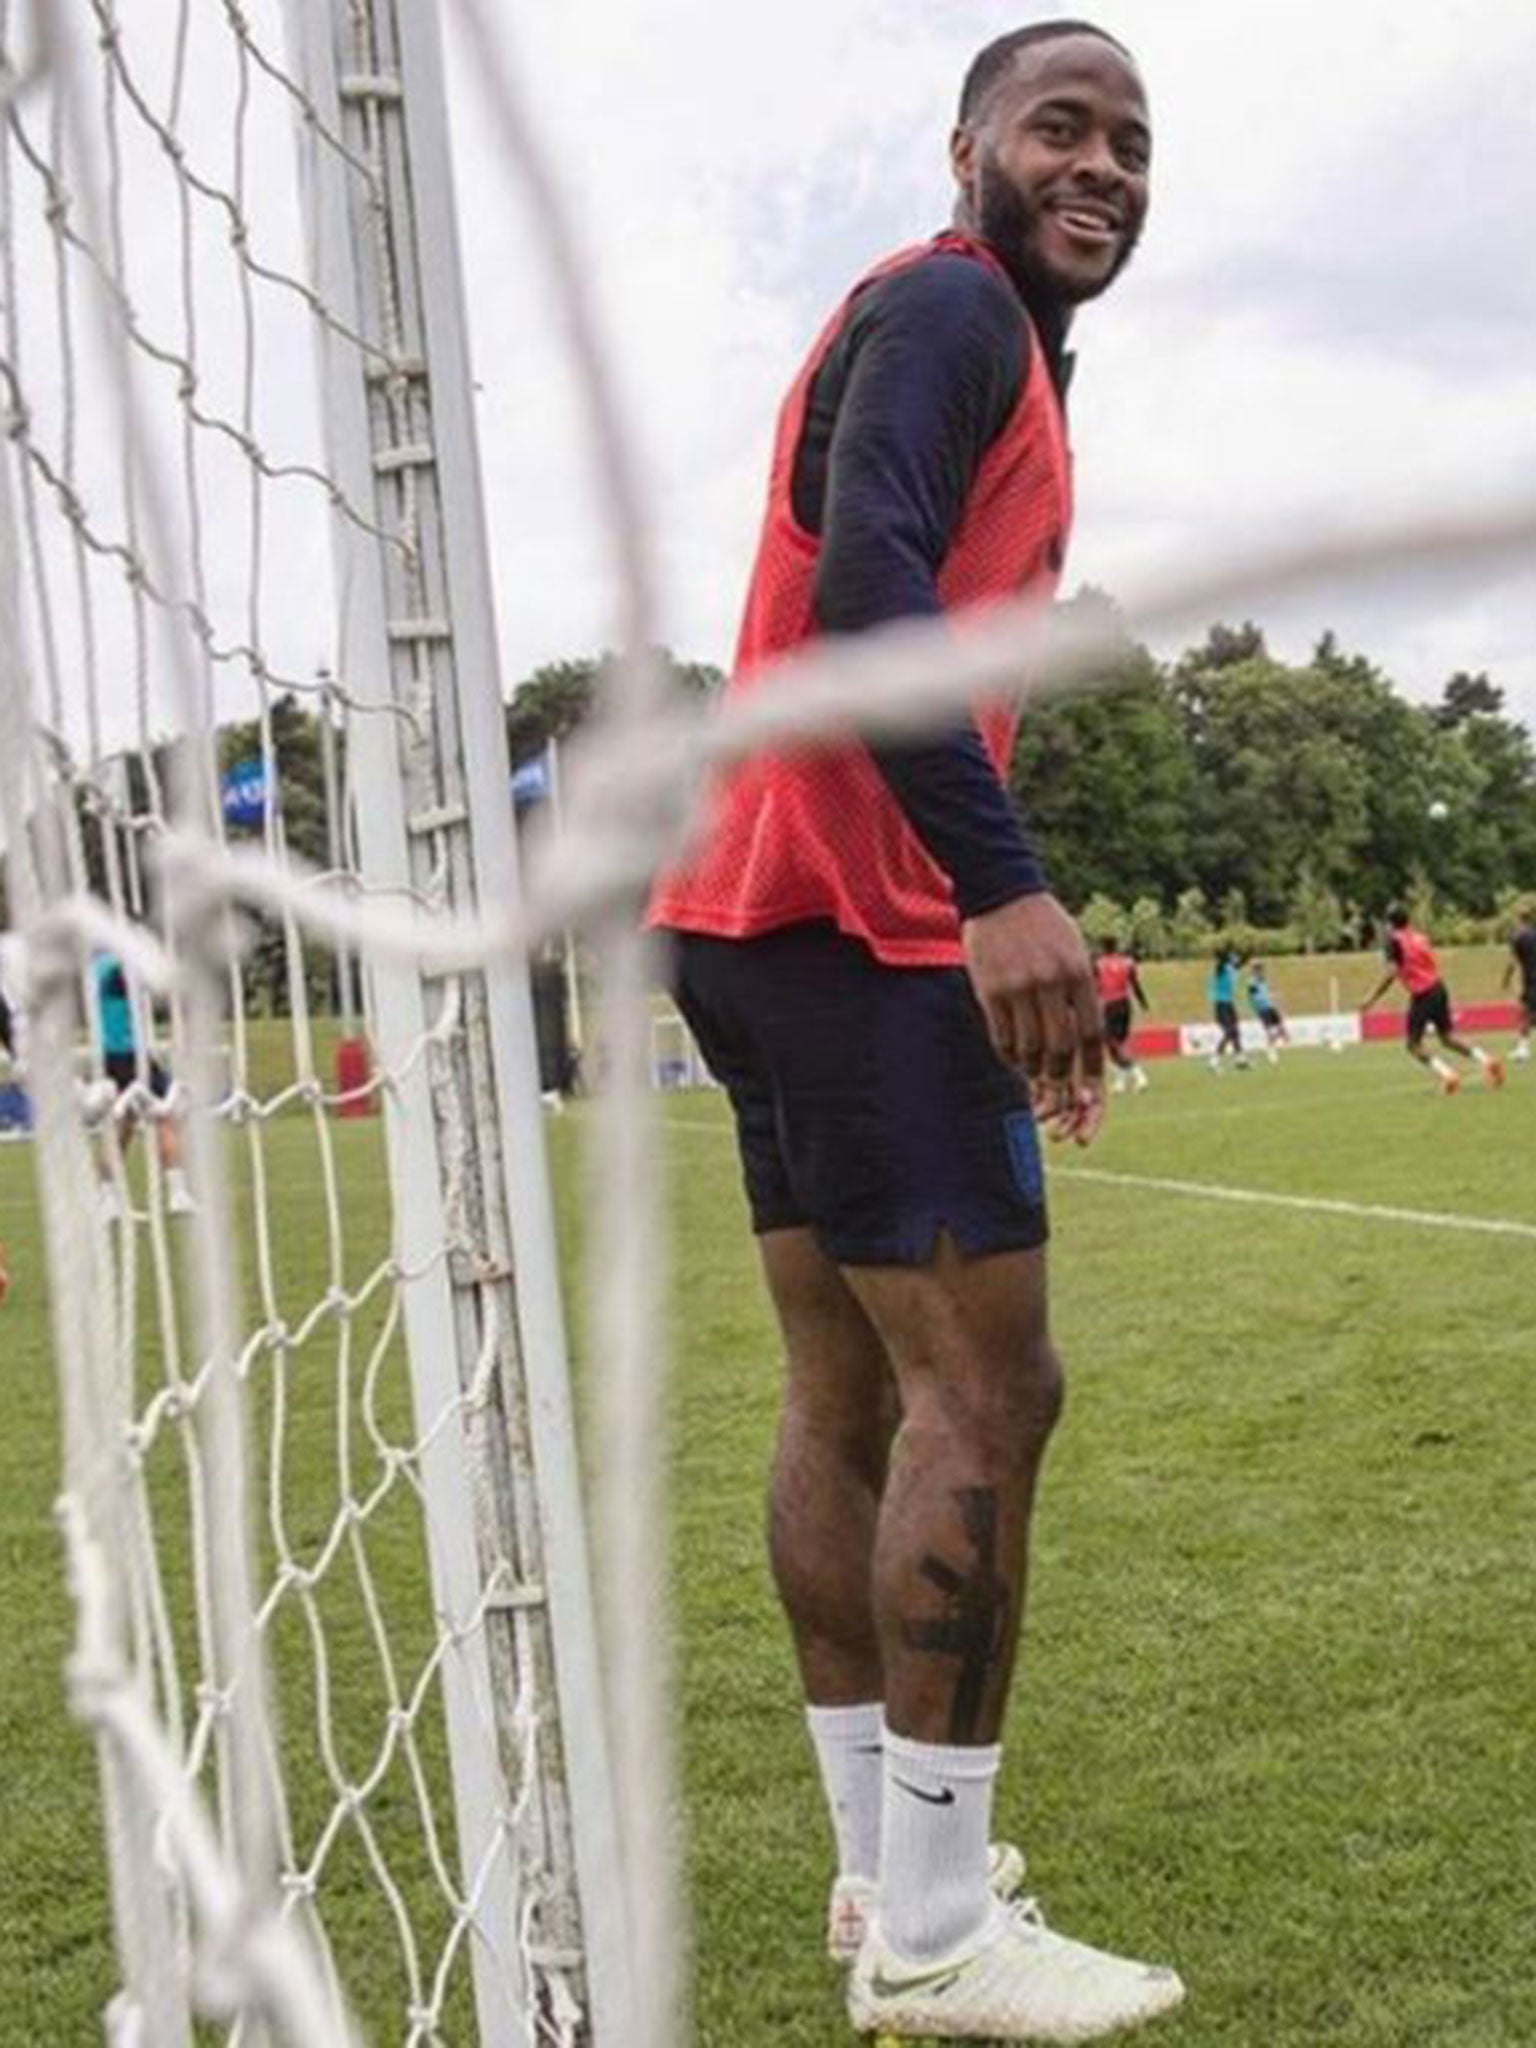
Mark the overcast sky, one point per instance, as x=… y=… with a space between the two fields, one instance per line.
x=1332 y=316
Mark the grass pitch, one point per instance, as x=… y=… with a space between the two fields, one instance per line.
x=1274 y=1720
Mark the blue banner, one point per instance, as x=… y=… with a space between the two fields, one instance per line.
x=530 y=783
x=243 y=792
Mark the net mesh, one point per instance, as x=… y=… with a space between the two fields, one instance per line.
x=311 y=1563
x=300 y=1501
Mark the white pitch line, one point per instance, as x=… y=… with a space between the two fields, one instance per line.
x=1310 y=1205
x=1258 y=1198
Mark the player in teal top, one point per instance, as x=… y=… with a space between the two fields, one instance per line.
x=114 y=1008
x=117 y=1033
x=1222 y=990
x=1267 y=1010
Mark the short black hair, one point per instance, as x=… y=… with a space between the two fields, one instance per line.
x=1397 y=916
x=992 y=63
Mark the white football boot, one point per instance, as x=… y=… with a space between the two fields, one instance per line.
x=1017 y=1981
x=854 y=1899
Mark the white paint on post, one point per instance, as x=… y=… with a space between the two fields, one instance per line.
x=516 y=1105
x=397 y=1004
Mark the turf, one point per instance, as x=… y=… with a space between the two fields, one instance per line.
x=1275 y=1721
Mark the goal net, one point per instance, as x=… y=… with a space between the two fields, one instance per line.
x=319 y=1506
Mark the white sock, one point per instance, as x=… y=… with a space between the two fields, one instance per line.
x=849 y=1750
x=1479 y=1055
x=1442 y=1067
x=934 y=1889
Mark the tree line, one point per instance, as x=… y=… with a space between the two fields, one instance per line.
x=1227 y=793
x=1224 y=793
x=1286 y=804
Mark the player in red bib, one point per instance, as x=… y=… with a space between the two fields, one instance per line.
x=1118 y=980
x=867 y=950
x=1412 y=961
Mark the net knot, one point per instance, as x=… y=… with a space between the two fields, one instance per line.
x=213 y=1701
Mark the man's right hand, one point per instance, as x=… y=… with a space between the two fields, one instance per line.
x=1032 y=976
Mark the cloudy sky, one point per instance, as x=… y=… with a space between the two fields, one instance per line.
x=1332 y=317
x=1332 y=320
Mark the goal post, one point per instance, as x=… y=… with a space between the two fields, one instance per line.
x=394 y=113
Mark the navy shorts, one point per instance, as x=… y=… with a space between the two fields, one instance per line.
x=122 y=1070
x=869 y=1103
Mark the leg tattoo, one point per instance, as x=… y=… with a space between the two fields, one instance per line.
x=974 y=1626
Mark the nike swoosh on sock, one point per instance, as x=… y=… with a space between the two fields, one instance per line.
x=944 y=1798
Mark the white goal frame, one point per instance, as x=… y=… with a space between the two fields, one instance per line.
x=431 y=821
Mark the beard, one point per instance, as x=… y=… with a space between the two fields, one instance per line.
x=1010 y=226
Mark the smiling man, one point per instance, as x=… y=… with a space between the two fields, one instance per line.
x=869 y=954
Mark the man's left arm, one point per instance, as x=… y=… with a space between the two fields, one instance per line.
x=931 y=386
x=1394 y=955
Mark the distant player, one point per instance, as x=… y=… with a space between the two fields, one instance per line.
x=1411 y=960
x=1222 y=990
x=120 y=1061
x=1522 y=948
x=1117 y=979
x=1267 y=1010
